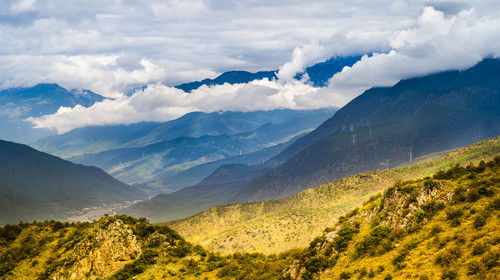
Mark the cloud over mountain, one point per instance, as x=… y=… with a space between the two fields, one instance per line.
x=435 y=42
x=192 y=39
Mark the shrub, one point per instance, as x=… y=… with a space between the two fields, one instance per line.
x=10 y=232
x=479 y=248
x=449 y=274
x=480 y=221
x=490 y=260
x=448 y=256
x=370 y=243
x=345 y=276
x=473 y=268
x=344 y=236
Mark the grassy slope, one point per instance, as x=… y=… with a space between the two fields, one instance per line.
x=278 y=225
x=444 y=227
x=119 y=248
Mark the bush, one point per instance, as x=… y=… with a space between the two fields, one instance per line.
x=370 y=243
x=453 y=216
x=479 y=248
x=480 y=221
x=344 y=236
x=448 y=257
x=10 y=232
x=345 y=276
x=473 y=268
x=449 y=274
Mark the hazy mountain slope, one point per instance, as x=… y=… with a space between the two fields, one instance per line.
x=194 y=175
x=36 y=185
x=217 y=189
x=166 y=158
x=17 y=104
x=444 y=227
x=318 y=74
x=277 y=225
x=199 y=124
x=474 y=89
x=421 y=115
x=92 y=139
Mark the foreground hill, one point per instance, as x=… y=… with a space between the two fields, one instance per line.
x=18 y=104
x=36 y=185
x=277 y=225
x=440 y=227
x=217 y=189
x=385 y=127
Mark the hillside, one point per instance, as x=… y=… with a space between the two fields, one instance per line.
x=18 y=104
x=384 y=127
x=39 y=186
x=278 y=225
x=217 y=189
x=119 y=248
x=440 y=227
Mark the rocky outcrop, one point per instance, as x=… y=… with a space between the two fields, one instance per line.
x=107 y=249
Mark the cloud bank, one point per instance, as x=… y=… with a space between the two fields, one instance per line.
x=190 y=39
x=435 y=42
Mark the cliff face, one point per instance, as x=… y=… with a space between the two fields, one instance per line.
x=110 y=250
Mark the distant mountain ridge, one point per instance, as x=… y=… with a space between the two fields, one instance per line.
x=17 y=104
x=36 y=185
x=136 y=163
x=318 y=74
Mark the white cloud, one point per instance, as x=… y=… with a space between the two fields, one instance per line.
x=434 y=42
x=22 y=5
x=99 y=73
x=437 y=43
x=162 y=103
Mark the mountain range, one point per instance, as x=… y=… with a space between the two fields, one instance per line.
x=382 y=128
x=18 y=104
x=317 y=74
x=385 y=127
x=148 y=154
x=443 y=226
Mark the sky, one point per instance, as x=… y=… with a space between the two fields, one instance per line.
x=112 y=46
